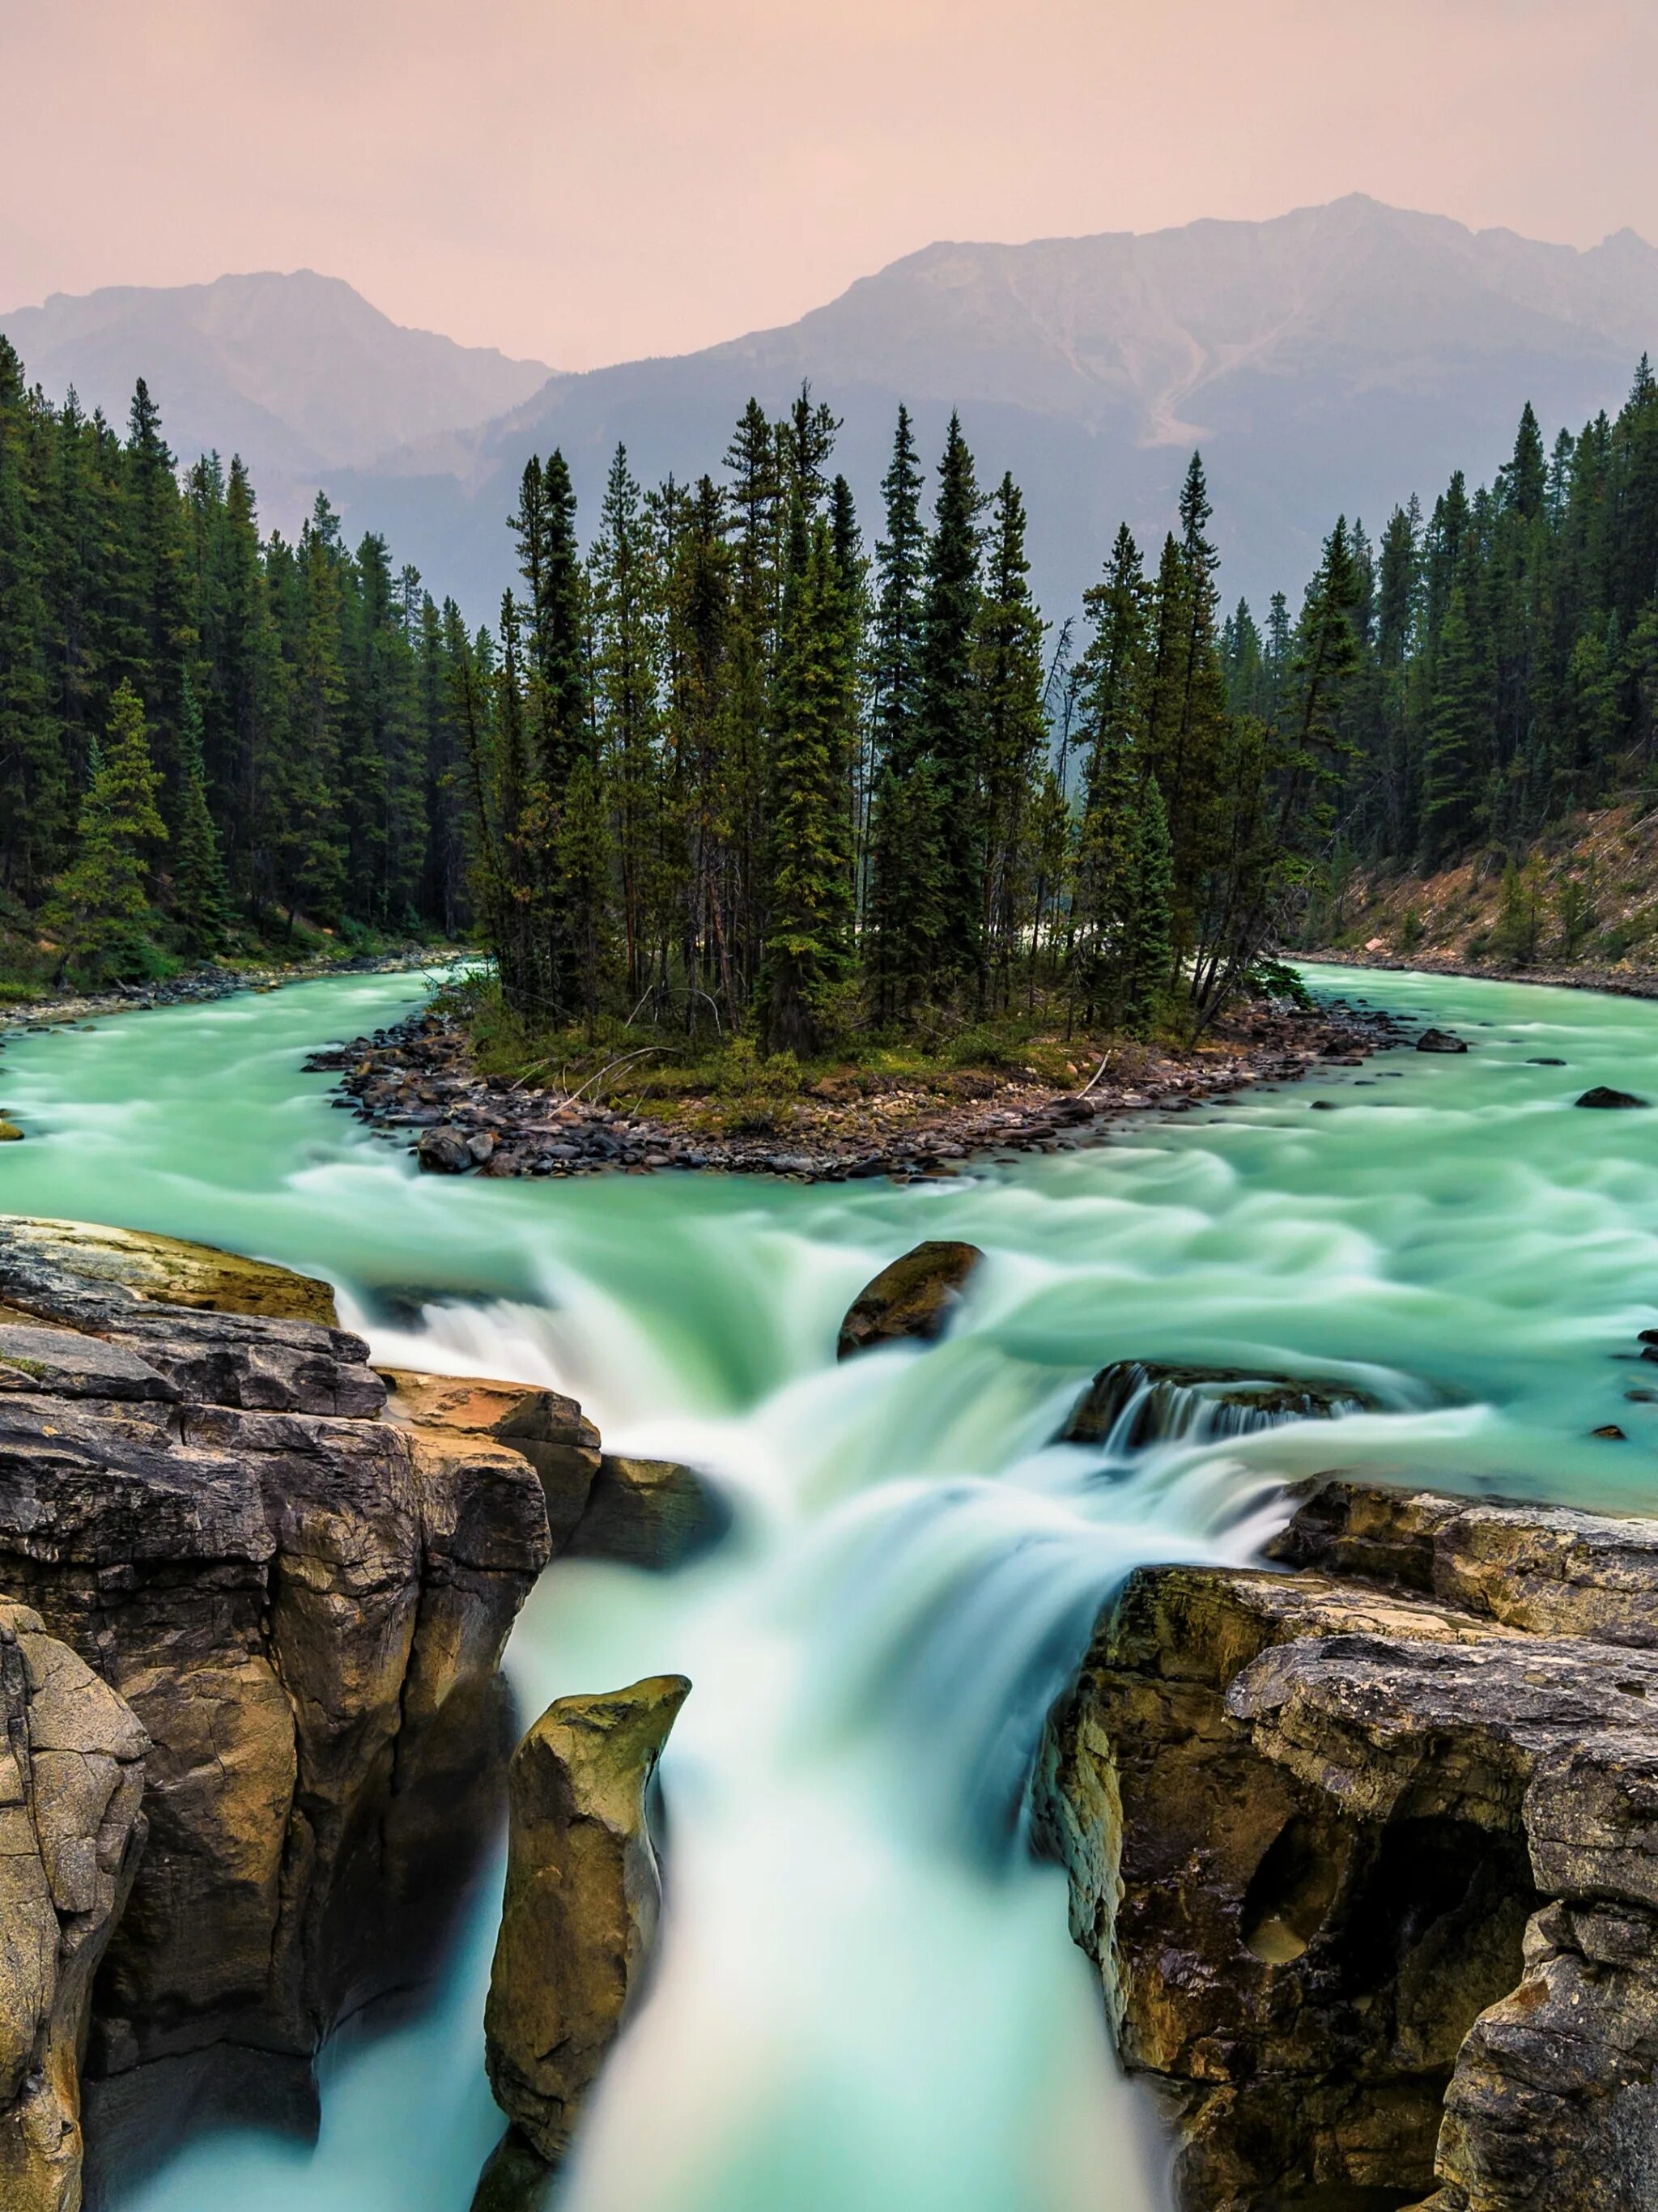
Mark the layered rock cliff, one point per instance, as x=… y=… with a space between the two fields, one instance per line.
x=302 y=1600
x=1368 y=1855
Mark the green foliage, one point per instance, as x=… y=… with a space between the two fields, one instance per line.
x=99 y=908
x=284 y=691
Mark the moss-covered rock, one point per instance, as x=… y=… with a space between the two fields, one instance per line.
x=582 y=1901
x=914 y=1297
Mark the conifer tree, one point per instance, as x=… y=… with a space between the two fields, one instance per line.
x=1148 y=921
x=949 y=728
x=1013 y=735
x=1113 y=678
x=808 y=921
x=99 y=908
x=201 y=892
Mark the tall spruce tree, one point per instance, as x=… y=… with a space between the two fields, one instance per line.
x=100 y=909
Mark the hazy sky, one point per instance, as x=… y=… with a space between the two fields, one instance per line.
x=589 y=179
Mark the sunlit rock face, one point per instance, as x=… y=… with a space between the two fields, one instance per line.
x=583 y=1898
x=71 y=1833
x=304 y=1603
x=1367 y=1855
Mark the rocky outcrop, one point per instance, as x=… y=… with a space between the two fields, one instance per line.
x=71 y=1779
x=1440 y=1041
x=1136 y=1402
x=582 y=1901
x=914 y=1297
x=73 y=1265
x=302 y=1600
x=1367 y=1854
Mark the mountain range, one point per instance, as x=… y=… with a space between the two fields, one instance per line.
x=1330 y=359
x=298 y=373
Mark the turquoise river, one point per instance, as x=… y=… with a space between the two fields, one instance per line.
x=867 y=2001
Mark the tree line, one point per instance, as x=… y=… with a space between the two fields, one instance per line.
x=1508 y=649
x=734 y=765
x=206 y=733
x=721 y=758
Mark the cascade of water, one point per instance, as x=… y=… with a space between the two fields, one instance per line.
x=868 y=1997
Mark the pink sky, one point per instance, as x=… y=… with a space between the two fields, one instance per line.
x=589 y=179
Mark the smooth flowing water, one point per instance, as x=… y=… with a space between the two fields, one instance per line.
x=866 y=2000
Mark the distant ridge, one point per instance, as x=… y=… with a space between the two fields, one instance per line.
x=1333 y=358
x=298 y=372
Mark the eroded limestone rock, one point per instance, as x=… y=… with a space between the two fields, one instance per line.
x=914 y=1297
x=582 y=1901
x=71 y=1830
x=304 y=1602
x=1368 y=1855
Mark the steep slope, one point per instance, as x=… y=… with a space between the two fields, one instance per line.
x=298 y=373
x=1337 y=357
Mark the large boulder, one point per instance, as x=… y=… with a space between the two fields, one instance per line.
x=914 y=1297
x=582 y=1901
x=1440 y=1041
x=649 y=1513
x=1367 y=1857
x=303 y=1601
x=71 y=1831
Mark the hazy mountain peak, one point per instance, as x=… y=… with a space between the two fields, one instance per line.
x=294 y=369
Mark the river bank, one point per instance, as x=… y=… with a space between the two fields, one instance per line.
x=1580 y=975
x=416 y=1082
x=201 y=985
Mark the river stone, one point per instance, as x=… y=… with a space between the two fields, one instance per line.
x=58 y=1260
x=71 y=1833
x=1603 y=1096
x=583 y=1898
x=914 y=1297
x=1367 y=1855
x=1440 y=1041
x=648 y=1513
x=443 y=1151
x=10 y=1133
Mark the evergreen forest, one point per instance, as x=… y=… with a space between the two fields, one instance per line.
x=731 y=761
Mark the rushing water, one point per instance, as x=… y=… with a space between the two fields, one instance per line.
x=866 y=2000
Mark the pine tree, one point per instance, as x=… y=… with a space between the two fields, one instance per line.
x=1454 y=759
x=201 y=893
x=1113 y=678
x=1013 y=729
x=33 y=771
x=1148 y=921
x=100 y=910
x=809 y=916
x=948 y=722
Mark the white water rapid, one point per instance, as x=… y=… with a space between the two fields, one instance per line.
x=867 y=2001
